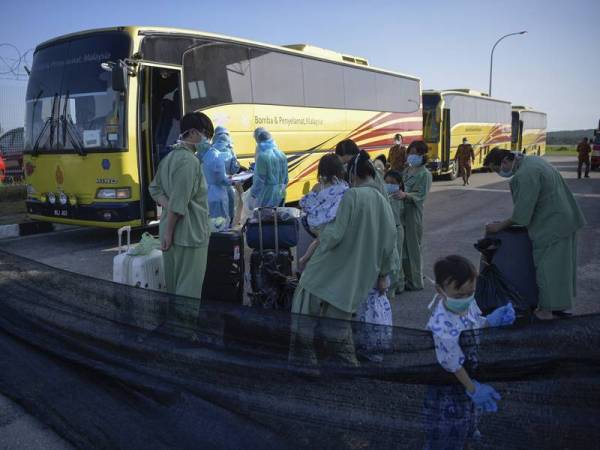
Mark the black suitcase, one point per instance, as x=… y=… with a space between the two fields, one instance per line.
x=271 y=273
x=224 y=279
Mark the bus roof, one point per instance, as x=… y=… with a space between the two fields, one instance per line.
x=465 y=92
x=298 y=49
x=520 y=109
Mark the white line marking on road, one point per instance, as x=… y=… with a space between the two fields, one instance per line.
x=459 y=188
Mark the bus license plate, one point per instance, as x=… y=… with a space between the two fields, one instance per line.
x=60 y=212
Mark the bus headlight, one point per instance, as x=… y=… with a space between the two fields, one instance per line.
x=51 y=198
x=62 y=198
x=119 y=193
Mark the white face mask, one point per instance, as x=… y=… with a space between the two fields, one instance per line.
x=398 y=142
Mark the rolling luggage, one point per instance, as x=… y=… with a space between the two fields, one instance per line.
x=224 y=279
x=271 y=277
x=260 y=228
x=145 y=271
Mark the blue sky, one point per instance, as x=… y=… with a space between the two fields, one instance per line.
x=554 y=68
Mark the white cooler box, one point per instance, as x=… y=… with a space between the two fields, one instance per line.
x=145 y=271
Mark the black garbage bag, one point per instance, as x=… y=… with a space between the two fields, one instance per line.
x=493 y=289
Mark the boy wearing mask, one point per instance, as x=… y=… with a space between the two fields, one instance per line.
x=452 y=411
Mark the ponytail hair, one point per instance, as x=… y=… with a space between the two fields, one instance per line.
x=360 y=166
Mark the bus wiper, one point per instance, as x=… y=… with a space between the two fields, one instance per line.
x=48 y=123
x=70 y=129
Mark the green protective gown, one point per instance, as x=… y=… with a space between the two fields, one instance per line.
x=397 y=281
x=396 y=274
x=179 y=178
x=353 y=251
x=545 y=205
x=417 y=185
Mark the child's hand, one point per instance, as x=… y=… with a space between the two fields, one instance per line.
x=382 y=285
x=505 y=315
x=302 y=264
x=399 y=195
x=485 y=397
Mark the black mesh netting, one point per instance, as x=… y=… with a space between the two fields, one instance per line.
x=109 y=366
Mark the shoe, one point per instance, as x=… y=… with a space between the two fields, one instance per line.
x=562 y=314
x=587 y=176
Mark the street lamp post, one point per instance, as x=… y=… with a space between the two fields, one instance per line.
x=492 y=56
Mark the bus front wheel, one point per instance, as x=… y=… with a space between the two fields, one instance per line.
x=453 y=171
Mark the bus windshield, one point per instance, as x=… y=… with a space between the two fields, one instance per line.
x=431 y=123
x=71 y=105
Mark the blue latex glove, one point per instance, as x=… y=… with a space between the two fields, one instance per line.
x=485 y=397
x=505 y=315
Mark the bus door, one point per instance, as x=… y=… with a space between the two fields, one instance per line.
x=445 y=139
x=159 y=124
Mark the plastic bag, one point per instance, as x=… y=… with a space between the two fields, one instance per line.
x=145 y=246
x=218 y=224
x=374 y=337
x=493 y=289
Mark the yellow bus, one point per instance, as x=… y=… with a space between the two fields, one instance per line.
x=451 y=115
x=528 y=130
x=103 y=107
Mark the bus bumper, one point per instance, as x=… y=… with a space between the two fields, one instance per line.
x=435 y=167
x=110 y=215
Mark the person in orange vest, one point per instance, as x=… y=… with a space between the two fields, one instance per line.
x=584 y=150
x=464 y=157
x=397 y=155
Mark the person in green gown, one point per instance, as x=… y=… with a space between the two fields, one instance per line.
x=417 y=183
x=394 y=183
x=354 y=254
x=544 y=204
x=180 y=188
x=346 y=150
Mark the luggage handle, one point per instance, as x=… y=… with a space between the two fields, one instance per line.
x=120 y=234
x=260 y=235
x=260 y=229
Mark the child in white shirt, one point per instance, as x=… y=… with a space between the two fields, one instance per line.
x=455 y=311
x=321 y=204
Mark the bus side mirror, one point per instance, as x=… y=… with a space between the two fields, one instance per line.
x=118 y=73
x=119 y=77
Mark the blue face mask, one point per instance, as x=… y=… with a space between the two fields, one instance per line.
x=391 y=188
x=202 y=146
x=459 y=305
x=505 y=174
x=414 y=160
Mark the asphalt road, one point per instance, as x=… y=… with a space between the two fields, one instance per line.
x=454 y=220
